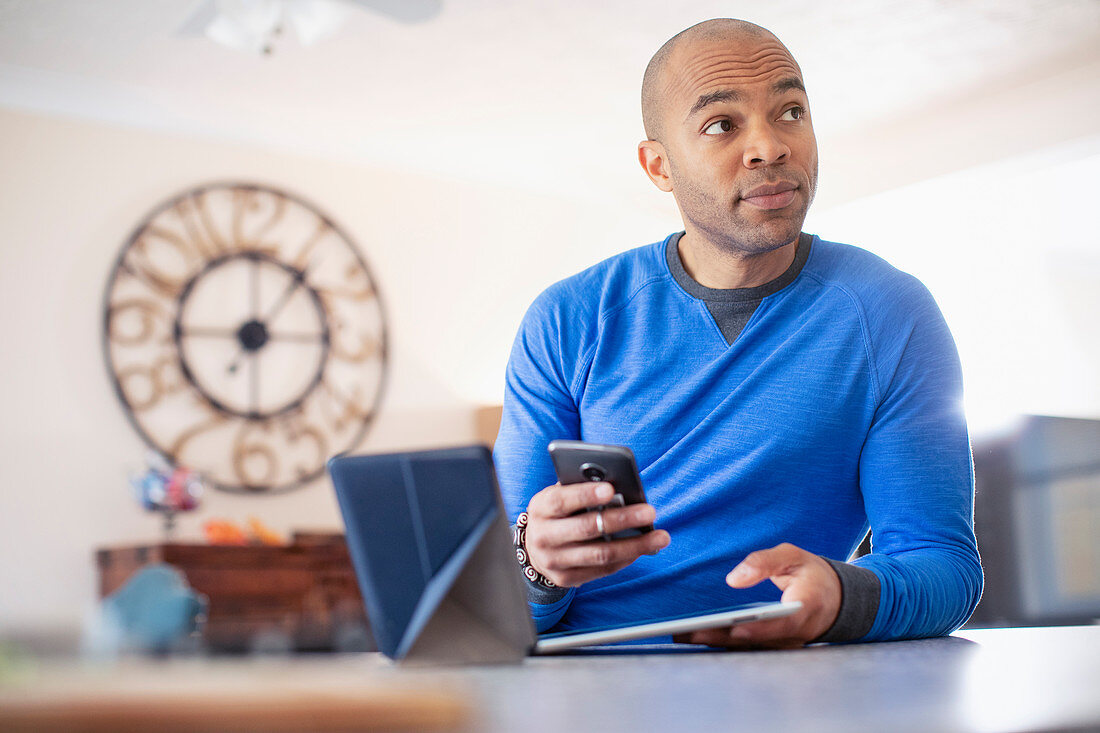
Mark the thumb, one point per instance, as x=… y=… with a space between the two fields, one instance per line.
x=763 y=564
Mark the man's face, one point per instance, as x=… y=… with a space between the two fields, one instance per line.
x=740 y=148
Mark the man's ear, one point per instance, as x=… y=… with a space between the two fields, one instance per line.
x=654 y=160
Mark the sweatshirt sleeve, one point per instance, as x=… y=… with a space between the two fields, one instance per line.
x=916 y=475
x=539 y=406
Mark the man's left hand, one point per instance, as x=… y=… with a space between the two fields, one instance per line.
x=802 y=576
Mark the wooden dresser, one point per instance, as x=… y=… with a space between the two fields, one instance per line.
x=302 y=596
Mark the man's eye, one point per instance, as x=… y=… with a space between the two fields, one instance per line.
x=794 y=113
x=717 y=128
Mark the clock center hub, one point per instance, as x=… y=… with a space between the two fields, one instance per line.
x=253 y=335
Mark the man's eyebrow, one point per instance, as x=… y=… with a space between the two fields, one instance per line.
x=732 y=95
x=787 y=84
x=722 y=95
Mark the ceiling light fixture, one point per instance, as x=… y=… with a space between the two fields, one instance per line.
x=254 y=26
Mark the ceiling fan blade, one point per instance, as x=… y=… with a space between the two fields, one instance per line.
x=199 y=19
x=313 y=20
x=406 y=11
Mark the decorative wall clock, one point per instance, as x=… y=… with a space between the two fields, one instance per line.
x=245 y=336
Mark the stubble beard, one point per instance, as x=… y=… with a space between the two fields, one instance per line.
x=721 y=224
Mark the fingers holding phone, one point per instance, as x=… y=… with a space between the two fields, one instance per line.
x=582 y=513
x=569 y=549
x=581 y=529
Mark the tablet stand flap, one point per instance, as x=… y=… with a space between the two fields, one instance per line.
x=483 y=618
x=432 y=548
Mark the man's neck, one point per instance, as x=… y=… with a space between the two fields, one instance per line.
x=714 y=268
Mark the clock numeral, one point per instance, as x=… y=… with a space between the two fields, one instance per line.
x=214 y=420
x=346 y=344
x=243 y=198
x=301 y=260
x=367 y=347
x=340 y=410
x=155 y=272
x=297 y=430
x=125 y=315
x=356 y=286
x=145 y=386
x=250 y=454
x=204 y=245
x=217 y=242
x=248 y=201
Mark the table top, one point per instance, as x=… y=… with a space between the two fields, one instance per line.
x=979 y=680
x=988 y=680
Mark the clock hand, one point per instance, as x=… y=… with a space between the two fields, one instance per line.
x=297 y=281
x=254 y=385
x=236 y=363
x=254 y=297
x=254 y=287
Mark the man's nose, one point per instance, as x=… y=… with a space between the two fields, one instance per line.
x=764 y=147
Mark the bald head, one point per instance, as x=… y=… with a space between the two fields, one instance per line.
x=655 y=81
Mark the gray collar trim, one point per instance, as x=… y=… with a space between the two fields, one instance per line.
x=735 y=295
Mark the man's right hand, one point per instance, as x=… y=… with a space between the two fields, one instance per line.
x=570 y=550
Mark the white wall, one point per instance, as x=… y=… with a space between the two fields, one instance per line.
x=457 y=266
x=1011 y=251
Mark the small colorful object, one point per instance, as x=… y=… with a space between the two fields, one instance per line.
x=261 y=534
x=167 y=489
x=223 y=532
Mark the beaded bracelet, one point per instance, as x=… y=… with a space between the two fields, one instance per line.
x=519 y=539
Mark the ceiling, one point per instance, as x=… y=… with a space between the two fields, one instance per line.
x=543 y=95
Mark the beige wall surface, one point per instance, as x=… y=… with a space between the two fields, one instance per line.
x=457 y=264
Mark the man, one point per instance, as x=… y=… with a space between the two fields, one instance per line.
x=782 y=394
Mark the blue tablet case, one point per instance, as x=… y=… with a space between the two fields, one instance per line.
x=430 y=543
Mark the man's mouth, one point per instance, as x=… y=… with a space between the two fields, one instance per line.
x=771 y=195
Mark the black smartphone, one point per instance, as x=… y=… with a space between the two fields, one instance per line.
x=576 y=462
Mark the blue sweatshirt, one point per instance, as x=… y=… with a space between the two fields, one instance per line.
x=836 y=408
